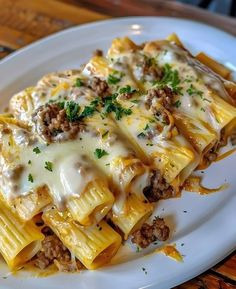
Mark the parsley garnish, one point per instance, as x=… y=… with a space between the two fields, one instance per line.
x=127 y=89
x=135 y=101
x=141 y=135
x=48 y=166
x=111 y=105
x=144 y=270
x=202 y=109
x=177 y=103
x=192 y=90
x=72 y=110
x=37 y=150
x=105 y=134
x=29 y=162
x=170 y=78
x=30 y=178
x=78 y=82
x=99 y=153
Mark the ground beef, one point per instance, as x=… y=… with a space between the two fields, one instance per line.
x=149 y=70
x=158 y=188
x=212 y=154
x=52 y=123
x=148 y=234
x=165 y=95
x=53 y=251
x=99 y=86
x=98 y=52
x=233 y=138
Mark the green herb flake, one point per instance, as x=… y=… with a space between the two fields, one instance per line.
x=144 y=270
x=111 y=105
x=30 y=178
x=135 y=101
x=78 y=82
x=37 y=150
x=105 y=134
x=192 y=90
x=205 y=99
x=141 y=135
x=99 y=153
x=29 y=162
x=177 y=104
x=112 y=79
x=126 y=89
x=170 y=78
x=72 y=110
x=48 y=166
x=202 y=109
x=137 y=249
x=146 y=127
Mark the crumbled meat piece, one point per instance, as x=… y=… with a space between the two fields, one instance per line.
x=212 y=154
x=53 y=125
x=148 y=234
x=53 y=251
x=158 y=188
x=165 y=95
x=233 y=138
x=149 y=70
x=98 y=52
x=100 y=86
x=152 y=73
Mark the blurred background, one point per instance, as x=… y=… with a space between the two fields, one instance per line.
x=227 y=7
x=25 y=21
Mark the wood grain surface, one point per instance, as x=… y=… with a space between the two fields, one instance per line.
x=24 y=21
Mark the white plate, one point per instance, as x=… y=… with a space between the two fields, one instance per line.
x=208 y=228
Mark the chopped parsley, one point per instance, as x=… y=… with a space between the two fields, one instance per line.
x=177 y=103
x=202 y=109
x=192 y=90
x=48 y=166
x=135 y=101
x=78 y=82
x=144 y=270
x=72 y=110
x=170 y=78
x=29 y=162
x=99 y=153
x=141 y=135
x=115 y=77
x=137 y=249
x=126 y=89
x=105 y=134
x=111 y=105
x=206 y=99
x=30 y=178
x=37 y=150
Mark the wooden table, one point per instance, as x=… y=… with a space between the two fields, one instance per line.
x=24 y=21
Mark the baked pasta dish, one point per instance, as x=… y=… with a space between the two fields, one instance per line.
x=85 y=154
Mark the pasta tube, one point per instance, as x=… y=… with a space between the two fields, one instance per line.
x=93 y=246
x=19 y=241
x=135 y=214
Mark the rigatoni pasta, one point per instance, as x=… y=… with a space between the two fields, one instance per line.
x=85 y=154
